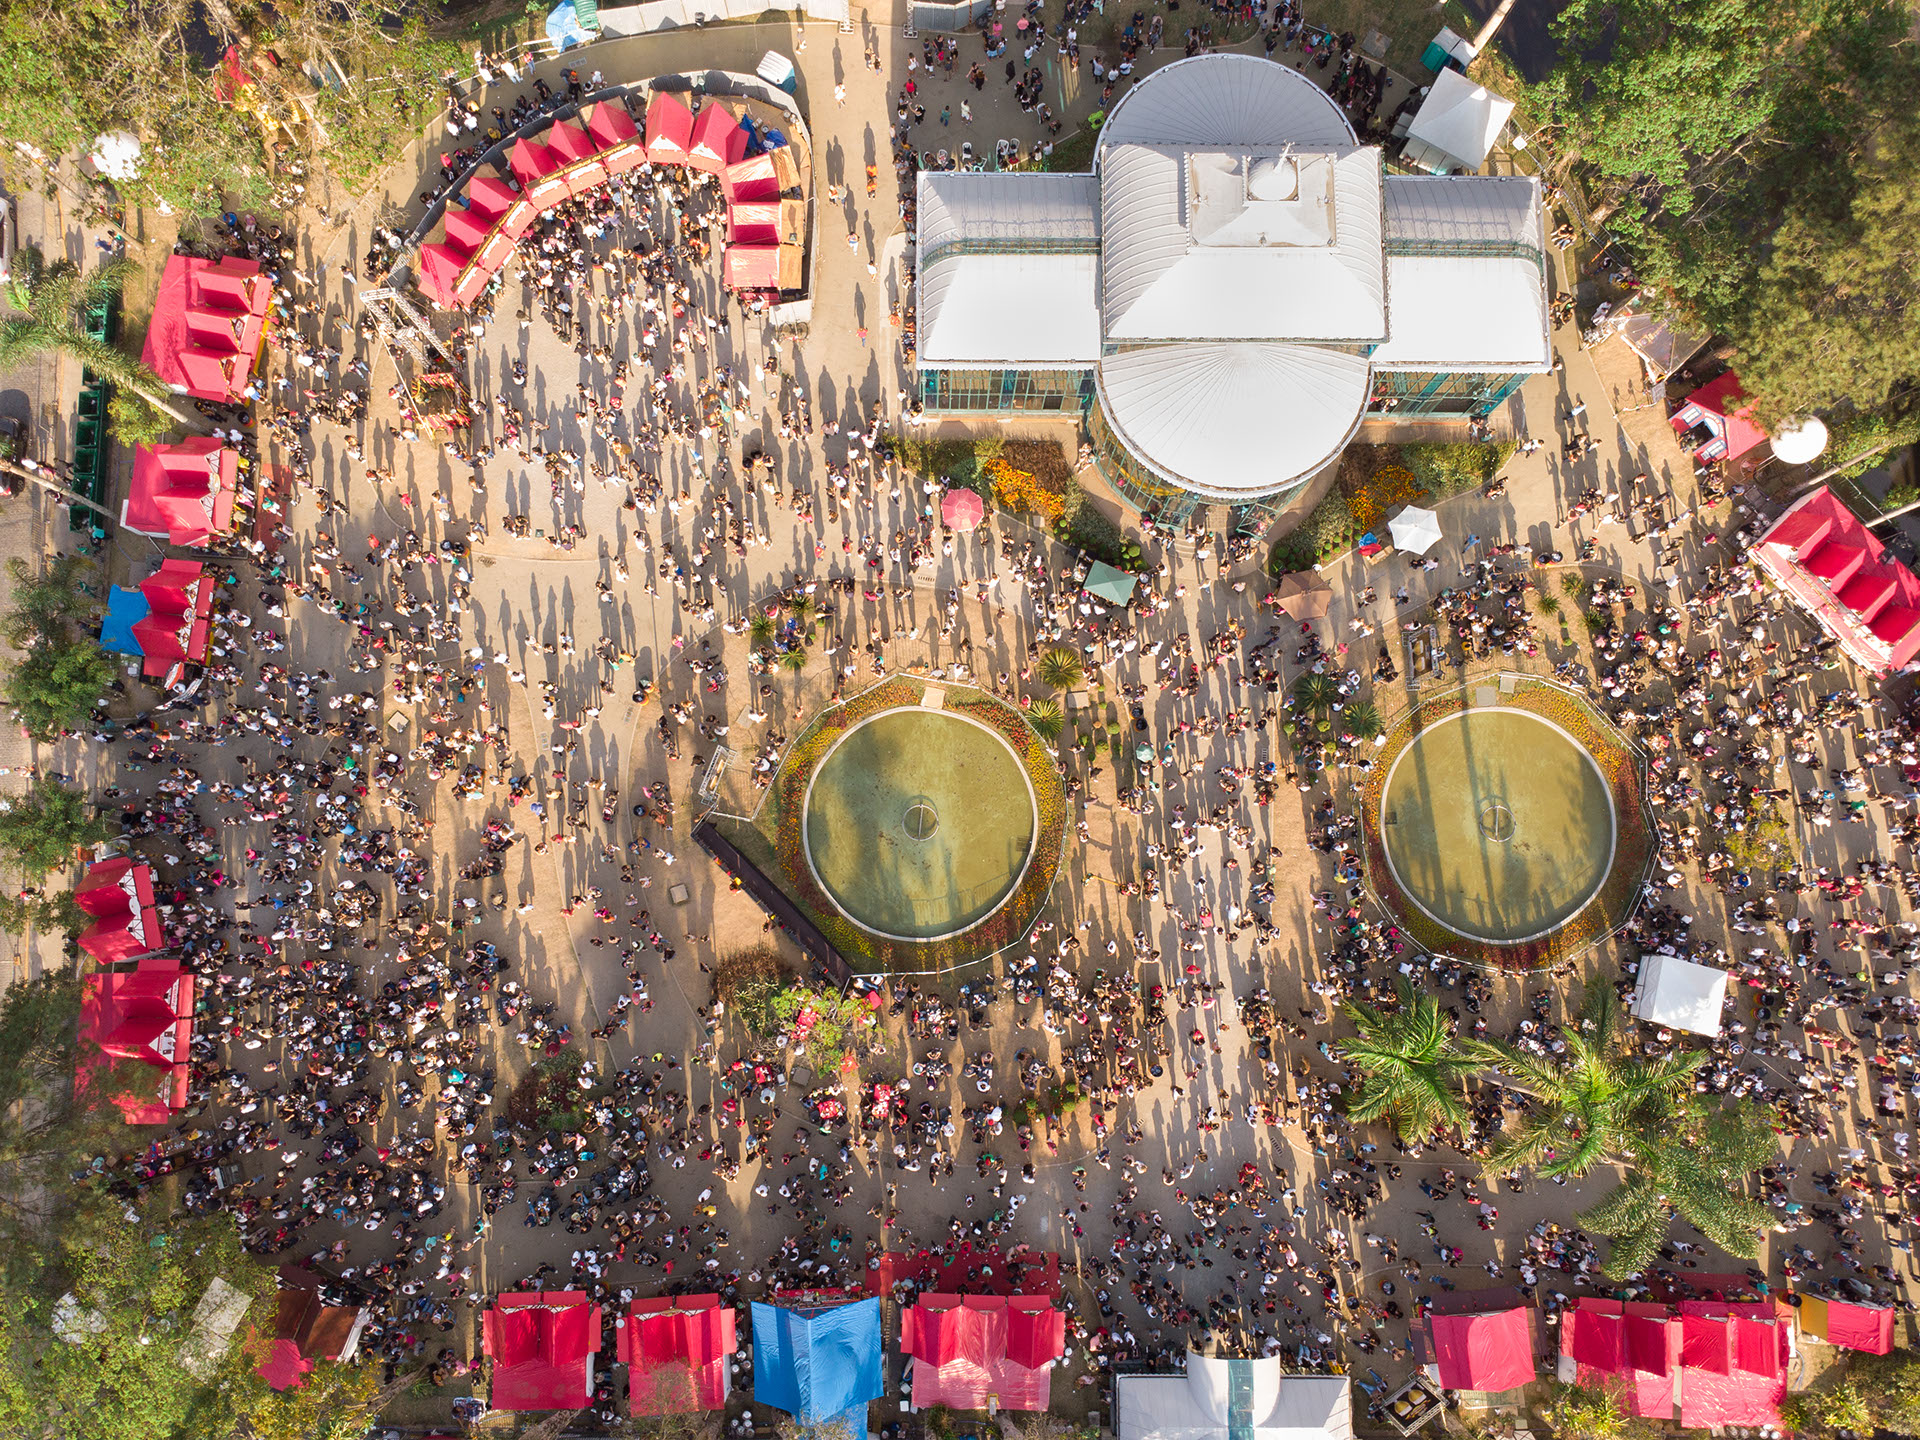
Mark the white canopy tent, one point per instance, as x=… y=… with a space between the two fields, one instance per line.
x=1680 y=994
x=1414 y=530
x=1456 y=125
x=1247 y=1399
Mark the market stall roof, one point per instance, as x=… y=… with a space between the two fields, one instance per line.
x=208 y=320
x=678 y=1352
x=579 y=156
x=1720 y=1363
x=669 y=129
x=973 y=1350
x=118 y=894
x=306 y=1330
x=1846 y=1323
x=613 y=130
x=542 y=1345
x=1492 y=1350
x=183 y=491
x=539 y=171
x=1680 y=994
x=1836 y=569
x=125 y=609
x=753 y=267
x=1221 y=1399
x=505 y=209
x=440 y=267
x=178 y=622
x=1456 y=125
x=1722 y=408
x=819 y=1362
x=143 y=1015
x=1106 y=582
x=718 y=139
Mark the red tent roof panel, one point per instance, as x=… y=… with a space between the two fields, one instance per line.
x=1483 y=1352
x=669 y=129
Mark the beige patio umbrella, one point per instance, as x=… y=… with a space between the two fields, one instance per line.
x=1304 y=596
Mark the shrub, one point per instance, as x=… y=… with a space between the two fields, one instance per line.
x=1445 y=470
x=1549 y=604
x=1596 y=621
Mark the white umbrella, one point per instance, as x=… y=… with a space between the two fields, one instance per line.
x=117 y=154
x=1414 y=530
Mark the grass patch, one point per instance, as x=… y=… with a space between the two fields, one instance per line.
x=1073 y=154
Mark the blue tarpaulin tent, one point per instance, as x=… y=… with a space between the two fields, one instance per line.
x=818 y=1363
x=125 y=609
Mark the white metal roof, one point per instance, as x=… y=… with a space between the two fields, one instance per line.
x=1225 y=99
x=1203 y=1404
x=1234 y=419
x=1680 y=994
x=1460 y=119
x=1494 y=209
x=957 y=205
x=1009 y=310
x=1158 y=282
x=1466 y=313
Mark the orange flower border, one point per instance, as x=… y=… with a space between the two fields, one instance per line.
x=1622 y=765
x=1000 y=929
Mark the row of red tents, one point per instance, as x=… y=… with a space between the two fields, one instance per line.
x=143 y=1014
x=571 y=159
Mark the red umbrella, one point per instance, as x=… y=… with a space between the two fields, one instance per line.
x=962 y=509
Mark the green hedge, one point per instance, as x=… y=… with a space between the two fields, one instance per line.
x=1444 y=470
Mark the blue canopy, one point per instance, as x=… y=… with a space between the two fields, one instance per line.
x=125 y=609
x=818 y=1364
x=564 y=28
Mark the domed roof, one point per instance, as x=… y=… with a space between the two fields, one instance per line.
x=1226 y=100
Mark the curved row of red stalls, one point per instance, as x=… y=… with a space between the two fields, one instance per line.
x=474 y=240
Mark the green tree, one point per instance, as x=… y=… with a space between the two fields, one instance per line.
x=1061 y=667
x=45 y=829
x=58 y=913
x=1362 y=720
x=1599 y=1102
x=49 y=604
x=47 y=301
x=1891 y=1383
x=333 y=1403
x=1412 y=1074
x=1574 y=1412
x=54 y=686
x=795 y=660
x=1047 y=718
x=1839 y=1404
x=761 y=631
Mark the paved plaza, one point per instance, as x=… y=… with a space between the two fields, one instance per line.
x=524 y=739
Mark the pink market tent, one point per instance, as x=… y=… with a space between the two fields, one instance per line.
x=753 y=267
x=143 y=1015
x=962 y=509
x=1846 y=1323
x=179 y=609
x=118 y=894
x=1834 y=568
x=969 y=1348
x=718 y=139
x=184 y=492
x=1490 y=1351
x=208 y=321
x=440 y=267
x=1719 y=420
x=538 y=170
x=1722 y=1364
x=754 y=222
x=465 y=231
x=578 y=154
x=669 y=130
x=678 y=1352
x=753 y=178
x=505 y=210
x=613 y=130
x=542 y=1345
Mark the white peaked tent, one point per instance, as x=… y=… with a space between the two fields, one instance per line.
x=1244 y=1399
x=1456 y=125
x=1680 y=994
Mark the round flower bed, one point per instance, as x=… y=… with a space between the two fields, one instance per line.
x=863 y=949
x=1621 y=768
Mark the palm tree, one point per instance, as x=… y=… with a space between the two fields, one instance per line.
x=805 y=612
x=1316 y=693
x=795 y=660
x=1601 y=1103
x=1047 y=719
x=46 y=301
x=1413 y=1073
x=1363 y=721
x=761 y=631
x=1061 y=667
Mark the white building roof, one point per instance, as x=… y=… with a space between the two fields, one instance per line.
x=1456 y=124
x=1013 y=310
x=963 y=205
x=1680 y=994
x=1236 y=419
x=1207 y=1404
x=1455 y=208
x=1241 y=243
x=1208 y=99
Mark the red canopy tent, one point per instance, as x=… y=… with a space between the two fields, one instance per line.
x=505 y=210
x=184 y=491
x=538 y=169
x=1488 y=1351
x=613 y=130
x=579 y=155
x=753 y=178
x=754 y=222
x=119 y=896
x=1720 y=410
x=753 y=267
x=144 y=1015
x=1847 y=1323
x=542 y=1345
x=306 y=1329
x=1723 y=1364
x=669 y=130
x=1835 y=568
x=718 y=139
x=677 y=1351
x=179 y=616
x=967 y=1348
x=440 y=267
x=208 y=320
